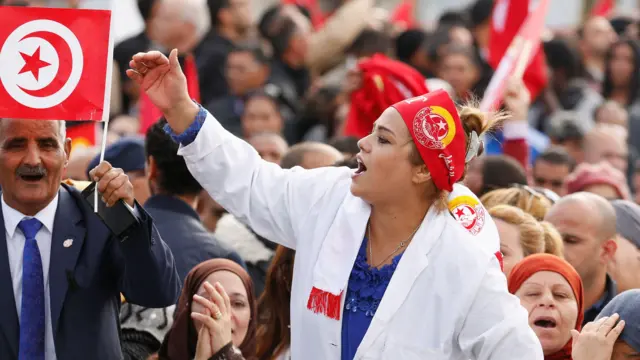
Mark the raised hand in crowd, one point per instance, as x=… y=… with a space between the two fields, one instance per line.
x=214 y=338
x=596 y=340
x=165 y=84
x=517 y=99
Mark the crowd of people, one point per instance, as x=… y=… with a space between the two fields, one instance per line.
x=319 y=185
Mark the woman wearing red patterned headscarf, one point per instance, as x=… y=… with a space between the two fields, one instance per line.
x=395 y=260
x=551 y=291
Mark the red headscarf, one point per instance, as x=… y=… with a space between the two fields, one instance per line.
x=180 y=342
x=547 y=262
x=436 y=129
x=384 y=83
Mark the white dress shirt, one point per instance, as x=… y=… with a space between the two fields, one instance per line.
x=15 y=249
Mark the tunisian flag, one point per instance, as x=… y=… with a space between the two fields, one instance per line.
x=514 y=47
x=53 y=63
x=384 y=83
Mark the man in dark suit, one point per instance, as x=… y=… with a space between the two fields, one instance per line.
x=173 y=204
x=61 y=270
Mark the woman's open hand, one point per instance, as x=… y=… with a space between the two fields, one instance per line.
x=216 y=321
x=595 y=341
x=162 y=79
x=517 y=99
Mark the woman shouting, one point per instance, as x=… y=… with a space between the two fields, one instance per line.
x=395 y=260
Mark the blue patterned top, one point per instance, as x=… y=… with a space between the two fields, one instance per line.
x=192 y=131
x=366 y=287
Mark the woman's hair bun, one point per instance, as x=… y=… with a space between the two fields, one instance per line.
x=473 y=119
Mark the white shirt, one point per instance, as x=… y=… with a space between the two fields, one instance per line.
x=15 y=249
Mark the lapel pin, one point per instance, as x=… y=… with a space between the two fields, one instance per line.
x=67 y=243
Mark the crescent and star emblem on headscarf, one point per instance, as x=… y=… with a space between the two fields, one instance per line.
x=41 y=64
x=434 y=127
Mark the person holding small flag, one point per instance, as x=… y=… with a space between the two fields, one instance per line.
x=396 y=260
x=63 y=267
x=51 y=236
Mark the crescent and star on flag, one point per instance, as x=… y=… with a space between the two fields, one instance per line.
x=33 y=63
x=41 y=64
x=55 y=64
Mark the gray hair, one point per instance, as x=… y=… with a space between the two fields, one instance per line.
x=194 y=12
x=62 y=128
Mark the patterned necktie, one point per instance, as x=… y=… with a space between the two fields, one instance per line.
x=32 y=309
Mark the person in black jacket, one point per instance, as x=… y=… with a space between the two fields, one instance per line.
x=173 y=202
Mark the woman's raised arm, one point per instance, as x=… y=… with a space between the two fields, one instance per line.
x=273 y=202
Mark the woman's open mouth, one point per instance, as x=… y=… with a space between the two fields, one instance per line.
x=361 y=167
x=546 y=322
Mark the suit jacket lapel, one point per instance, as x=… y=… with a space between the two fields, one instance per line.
x=8 y=316
x=411 y=265
x=68 y=224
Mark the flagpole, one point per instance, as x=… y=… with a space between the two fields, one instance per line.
x=523 y=60
x=103 y=146
x=107 y=93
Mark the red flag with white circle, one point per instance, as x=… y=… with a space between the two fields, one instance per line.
x=53 y=63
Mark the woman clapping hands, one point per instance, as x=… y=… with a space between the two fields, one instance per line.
x=214 y=338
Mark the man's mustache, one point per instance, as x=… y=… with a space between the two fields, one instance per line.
x=26 y=170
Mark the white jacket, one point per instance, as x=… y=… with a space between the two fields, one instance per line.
x=447 y=299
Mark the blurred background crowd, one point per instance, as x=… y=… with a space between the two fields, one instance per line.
x=561 y=176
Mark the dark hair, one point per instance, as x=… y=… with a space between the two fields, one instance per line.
x=480 y=12
x=561 y=55
x=370 y=42
x=267 y=18
x=214 y=10
x=454 y=18
x=620 y=24
x=145 y=7
x=319 y=108
x=634 y=85
x=557 y=155
x=564 y=127
x=436 y=41
x=274 y=335
x=174 y=177
x=304 y=11
x=279 y=32
x=501 y=171
x=255 y=50
x=345 y=144
x=408 y=43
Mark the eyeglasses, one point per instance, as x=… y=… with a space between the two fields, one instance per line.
x=538 y=192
